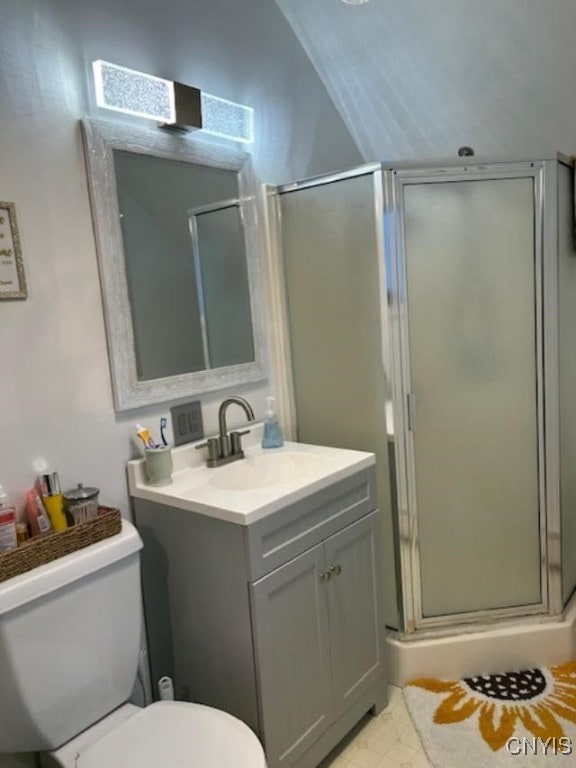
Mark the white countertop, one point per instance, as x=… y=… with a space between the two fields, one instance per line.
x=191 y=489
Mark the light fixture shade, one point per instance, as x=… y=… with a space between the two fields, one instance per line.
x=133 y=93
x=227 y=119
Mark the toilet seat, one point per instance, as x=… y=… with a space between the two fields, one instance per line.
x=174 y=734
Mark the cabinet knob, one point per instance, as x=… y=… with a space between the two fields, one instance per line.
x=335 y=570
x=325 y=576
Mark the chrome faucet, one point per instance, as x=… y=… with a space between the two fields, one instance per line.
x=227 y=447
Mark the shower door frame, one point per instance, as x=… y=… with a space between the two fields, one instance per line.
x=544 y=176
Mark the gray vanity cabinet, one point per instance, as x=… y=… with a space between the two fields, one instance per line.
x=317 y=638
x=278 y=622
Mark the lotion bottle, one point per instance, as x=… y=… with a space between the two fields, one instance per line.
x=38 y=519
x=272 y=437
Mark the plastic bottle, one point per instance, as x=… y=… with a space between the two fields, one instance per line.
x=272 y=437
x=8 y=539
x=38 y=519
x=53 y=500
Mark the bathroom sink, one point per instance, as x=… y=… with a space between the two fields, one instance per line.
x=266 y=470
x=262 y=483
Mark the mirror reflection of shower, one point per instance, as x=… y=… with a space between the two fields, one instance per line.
x=219 y=254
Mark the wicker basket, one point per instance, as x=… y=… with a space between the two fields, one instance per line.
x=44 y=549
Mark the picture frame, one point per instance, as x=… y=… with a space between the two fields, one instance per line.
x=12 y=277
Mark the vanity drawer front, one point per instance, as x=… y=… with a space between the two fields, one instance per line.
x=283 y=535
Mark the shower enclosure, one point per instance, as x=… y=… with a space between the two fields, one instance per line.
x=430 y=312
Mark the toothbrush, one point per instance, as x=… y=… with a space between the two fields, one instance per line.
x=145 y=436
x=163 y=425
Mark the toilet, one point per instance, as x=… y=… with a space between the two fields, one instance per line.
x=69 y=648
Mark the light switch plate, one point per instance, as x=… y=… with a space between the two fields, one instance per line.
x=187 y=422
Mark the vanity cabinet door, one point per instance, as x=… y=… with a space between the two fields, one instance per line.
x=354 y=611
x=290 y=618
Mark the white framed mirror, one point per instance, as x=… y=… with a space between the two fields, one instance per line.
x=179 y=259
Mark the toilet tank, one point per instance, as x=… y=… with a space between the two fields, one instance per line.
x=69 y=642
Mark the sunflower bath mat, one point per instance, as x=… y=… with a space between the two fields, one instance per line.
x=523 y=718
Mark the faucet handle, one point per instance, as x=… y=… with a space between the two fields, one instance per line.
x=213 y=448
x=236 y=441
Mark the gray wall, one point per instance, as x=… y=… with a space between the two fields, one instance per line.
x=55 y=389
x=418 y=79
x=244 y=51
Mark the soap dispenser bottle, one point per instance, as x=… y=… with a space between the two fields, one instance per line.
x=272 y=437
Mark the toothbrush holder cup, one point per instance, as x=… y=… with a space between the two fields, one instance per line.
x=159 y=466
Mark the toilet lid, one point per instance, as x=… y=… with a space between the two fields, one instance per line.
x=176 y=734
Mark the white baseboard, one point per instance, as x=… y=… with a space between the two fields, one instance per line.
x=501 y=649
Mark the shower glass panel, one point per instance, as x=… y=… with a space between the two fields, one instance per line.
x=472 y=340
x=330 y=244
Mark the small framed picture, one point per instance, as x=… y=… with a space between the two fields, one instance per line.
x=12 y=278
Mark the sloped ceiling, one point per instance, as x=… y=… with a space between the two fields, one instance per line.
x=416 y=79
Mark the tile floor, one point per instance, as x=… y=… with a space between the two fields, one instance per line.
x=386 y=741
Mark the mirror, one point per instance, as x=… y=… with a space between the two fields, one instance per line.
x=179 y=261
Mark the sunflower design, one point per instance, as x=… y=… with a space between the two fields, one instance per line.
x=534 y=697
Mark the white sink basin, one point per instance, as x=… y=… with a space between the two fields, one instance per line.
x=266 y=470
x=265 y=481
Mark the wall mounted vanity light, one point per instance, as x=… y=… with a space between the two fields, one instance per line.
x=169 y=103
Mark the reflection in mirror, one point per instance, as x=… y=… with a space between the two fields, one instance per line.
x=222 y=277
x=154 y=197
x=179 y=264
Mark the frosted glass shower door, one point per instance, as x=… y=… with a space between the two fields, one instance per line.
x=332 y=271
x=471 y=282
